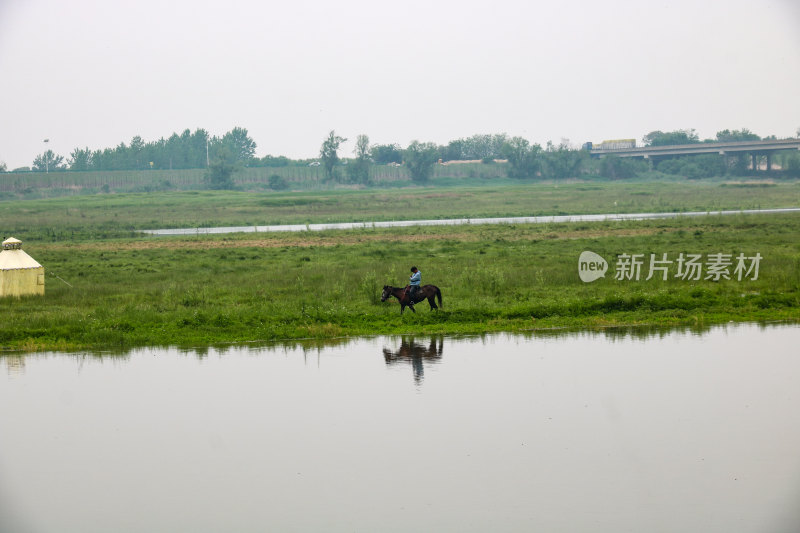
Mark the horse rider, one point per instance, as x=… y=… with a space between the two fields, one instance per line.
x=414 y=282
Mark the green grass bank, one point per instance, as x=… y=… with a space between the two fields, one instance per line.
x=126 y=292
x=105 y=216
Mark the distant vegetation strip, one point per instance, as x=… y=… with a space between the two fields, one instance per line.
x=110 y=216
x=229 y=162
x=53 y=184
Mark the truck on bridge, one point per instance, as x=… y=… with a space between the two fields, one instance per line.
x=614 y=144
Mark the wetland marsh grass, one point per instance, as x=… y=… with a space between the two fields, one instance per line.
x=107 y=216
x=196 y=291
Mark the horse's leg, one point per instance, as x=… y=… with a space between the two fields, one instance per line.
x=432 y=303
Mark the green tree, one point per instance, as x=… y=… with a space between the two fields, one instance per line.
x=791 y=164
x=358 y=169
x=187 y=150
x=737 y=135
x=524 y=159
x=240 y=144
x=80 y=159
x=560 y=161
x=362 y=149
x=479 y=146
x=136 y=153
x=3 y=167
x=709 y=165
x=198 y=146
x=419 y=158
x=273 y=161
x=454 y=151
x=615 y=167
x=660 y=138
x=694 y=167
x=383 y=154
x=156 y=152
x=220 y=171
x=176 y=155
x=484 y=147
x=277 y=183
x=737 y=163
x=48 y=161
x=328 y=154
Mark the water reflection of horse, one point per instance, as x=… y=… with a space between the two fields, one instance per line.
x=430 y=292
x=416 y=354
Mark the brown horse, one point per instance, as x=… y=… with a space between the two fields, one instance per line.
x=401 y=293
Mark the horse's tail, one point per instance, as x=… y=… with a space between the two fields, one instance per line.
x=439 y=296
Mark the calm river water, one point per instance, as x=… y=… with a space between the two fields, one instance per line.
x=579 y=432
x=547 y=219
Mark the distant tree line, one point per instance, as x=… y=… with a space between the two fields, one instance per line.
x=224 y=156
x=187 y=150
x=525 y=160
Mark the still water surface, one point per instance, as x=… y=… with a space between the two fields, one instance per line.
x=546 y=219
x=594 y=432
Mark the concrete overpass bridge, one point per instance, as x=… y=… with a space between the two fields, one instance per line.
x=754 y=148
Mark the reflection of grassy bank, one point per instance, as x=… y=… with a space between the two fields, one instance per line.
x=494 y=278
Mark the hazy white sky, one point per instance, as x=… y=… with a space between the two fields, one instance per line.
x=96 y=73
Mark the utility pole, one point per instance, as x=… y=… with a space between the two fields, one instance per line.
x=46 y=159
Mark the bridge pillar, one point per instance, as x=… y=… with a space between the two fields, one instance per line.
x=769 y=161
x=755 y=162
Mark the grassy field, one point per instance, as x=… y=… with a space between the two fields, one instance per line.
x=196 y=291
x=104 y=216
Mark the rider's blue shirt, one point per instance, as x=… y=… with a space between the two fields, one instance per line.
x=416 y=278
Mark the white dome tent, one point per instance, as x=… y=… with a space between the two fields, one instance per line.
x=20 y=274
